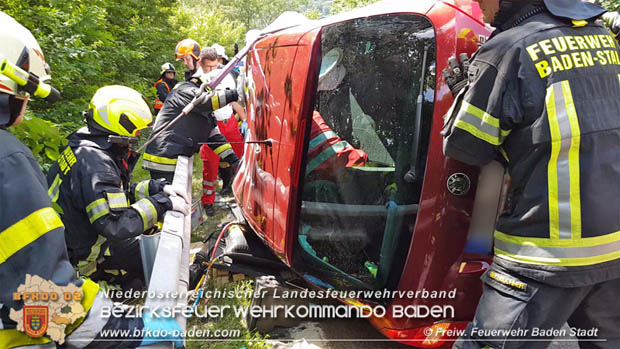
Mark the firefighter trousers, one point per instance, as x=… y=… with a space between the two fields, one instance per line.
x=123 y=268
x=211 y=161
x=518 y=312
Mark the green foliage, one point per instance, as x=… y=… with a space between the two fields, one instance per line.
x=346 y=5
x=202 y=23
x=252 y=14
x=226 y=21
x=612 y=5
x=90 y=44
x=42 y=137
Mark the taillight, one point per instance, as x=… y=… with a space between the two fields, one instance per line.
x=432 y=336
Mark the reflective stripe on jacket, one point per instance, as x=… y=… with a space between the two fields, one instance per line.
x=545 y=97
x=184 y=136
x=32 y=239
x=89 y=186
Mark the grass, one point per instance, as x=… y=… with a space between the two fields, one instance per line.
x=245 y=339
x=228 y=322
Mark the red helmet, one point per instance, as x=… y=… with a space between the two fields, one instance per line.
x=187 y=47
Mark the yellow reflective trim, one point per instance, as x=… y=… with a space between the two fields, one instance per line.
x=215 y=102
x=89 y=265
x=13 y=338
x=545 y=242
x=477 y=133
x=160 y=159
x=142 y=190
x=97 y=209
x=147 y=211
x=566 y=262
x=573 y=162
x=504 y=154
x=552 y=172
x=97 y=202
x=480 y=114
x=112 y=272
x=222 y=148
x=117 y=200
x=27 y=230
x=53 y=192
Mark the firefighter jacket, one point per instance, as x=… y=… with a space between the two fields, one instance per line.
x=544 y=97
x=32 y=242
x=163 y=87
x=185 y=136
x=90 y=189
x=327 y=151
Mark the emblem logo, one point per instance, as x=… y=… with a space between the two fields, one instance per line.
x=458 y=184
x=35 y=320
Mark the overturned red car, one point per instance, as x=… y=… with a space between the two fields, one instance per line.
x=392 y=213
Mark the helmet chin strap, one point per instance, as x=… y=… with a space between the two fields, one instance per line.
x=5 y=114
x=9 y=110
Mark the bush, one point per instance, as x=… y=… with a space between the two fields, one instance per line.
x=44 y=138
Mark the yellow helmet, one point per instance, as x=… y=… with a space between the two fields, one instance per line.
x=187 y=47
x=118 y=110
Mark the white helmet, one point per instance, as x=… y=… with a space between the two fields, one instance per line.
x=19 y=48
x=221 y=51
x=332 y=71
x=22 y=69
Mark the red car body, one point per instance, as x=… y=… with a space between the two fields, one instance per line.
x=281 y=89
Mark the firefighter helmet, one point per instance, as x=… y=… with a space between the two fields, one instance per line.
x=221 y=51
x=167 y=68
x=332 y=71
x=118 y=110
x=187 y=47
x=19 y=51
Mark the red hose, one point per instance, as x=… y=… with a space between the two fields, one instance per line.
x=219 y=238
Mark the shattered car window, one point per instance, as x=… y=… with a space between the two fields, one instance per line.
x=367 y=149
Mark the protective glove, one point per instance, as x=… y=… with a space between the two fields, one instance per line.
x=158 y=329
x=157 y=185
x=171 y=190
x=180 y=205
x=456 y=77
x=244 y=128
x=612 y=21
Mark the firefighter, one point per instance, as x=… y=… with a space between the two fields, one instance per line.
x=164 y=85
x=90 y=188
x=222 y=58
x=327 y=151
x=228 y=126
x=543 y=97
x=32 y=240
x=188 y=51
x=612 y=21
x=184 y=136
